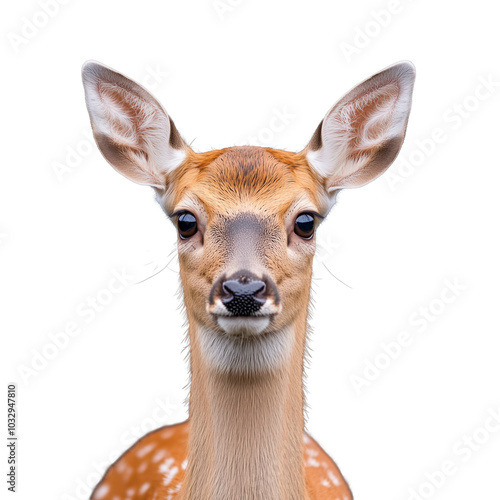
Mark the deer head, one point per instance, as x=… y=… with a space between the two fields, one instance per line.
x=246 y=220
x=247 y=216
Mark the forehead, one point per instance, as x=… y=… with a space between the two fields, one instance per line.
x=248 y=179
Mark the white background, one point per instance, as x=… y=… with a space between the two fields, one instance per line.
x=222 y=74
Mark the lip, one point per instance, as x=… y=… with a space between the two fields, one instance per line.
x=218 y=309
x=251 y=325
x=243 y=325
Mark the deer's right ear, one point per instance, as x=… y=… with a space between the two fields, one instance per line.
x=132 y=130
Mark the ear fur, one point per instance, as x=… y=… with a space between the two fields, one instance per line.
x=132 y=130
x=362 y=134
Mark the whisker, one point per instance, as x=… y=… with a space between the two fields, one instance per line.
x=168 y=263
x=162 y=269
x=338 y=279
x=149 y=277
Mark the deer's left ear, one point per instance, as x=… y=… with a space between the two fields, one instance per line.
x=362 y=134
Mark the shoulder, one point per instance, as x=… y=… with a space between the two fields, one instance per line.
x=324 y=480
x=156 y=462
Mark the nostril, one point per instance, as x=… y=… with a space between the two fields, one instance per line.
x=261 y=292
x=243 y=297
x=228 y=294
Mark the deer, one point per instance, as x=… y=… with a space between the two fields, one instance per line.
x=246 y=219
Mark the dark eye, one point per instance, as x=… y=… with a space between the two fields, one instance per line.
x=186 y=223
x=304 y=226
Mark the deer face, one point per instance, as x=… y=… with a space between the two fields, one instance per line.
x=246 y=238
x=247 y=216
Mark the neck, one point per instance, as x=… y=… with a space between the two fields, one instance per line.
x=246 y=431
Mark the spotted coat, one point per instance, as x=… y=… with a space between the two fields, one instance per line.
x=154 y=468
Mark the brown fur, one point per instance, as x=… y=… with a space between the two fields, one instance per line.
x=169 y=445
x=266 y=175
x=245 y=438
x=246 y=431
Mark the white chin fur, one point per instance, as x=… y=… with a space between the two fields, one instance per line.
x=243 y=325
x=246 y=354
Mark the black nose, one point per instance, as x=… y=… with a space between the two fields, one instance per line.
x=243 y=296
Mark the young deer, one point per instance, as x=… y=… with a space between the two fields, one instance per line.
x=246 y=219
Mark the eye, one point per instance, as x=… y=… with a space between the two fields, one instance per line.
x=304 y=226
x=186 y=224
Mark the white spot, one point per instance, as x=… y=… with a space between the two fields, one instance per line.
x=144 y=488
x=130 y=492
x=167 y=433
x=159 y=455
x=101 y=492
x=169 y=470
x=184 y=464
x=312 y=462
x=145 y=450
x=174 y=489
x=312 y=452
x=306 y=439
x=333 y=478
x=125 y=470
x=142 y=468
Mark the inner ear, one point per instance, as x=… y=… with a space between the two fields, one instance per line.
x=132 y=130
x=368 y=117
x=375 y=161
x=362 y=134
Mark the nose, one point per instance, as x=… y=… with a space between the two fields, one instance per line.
x=243 y=295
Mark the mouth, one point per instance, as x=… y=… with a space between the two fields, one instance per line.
x=252 y=324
